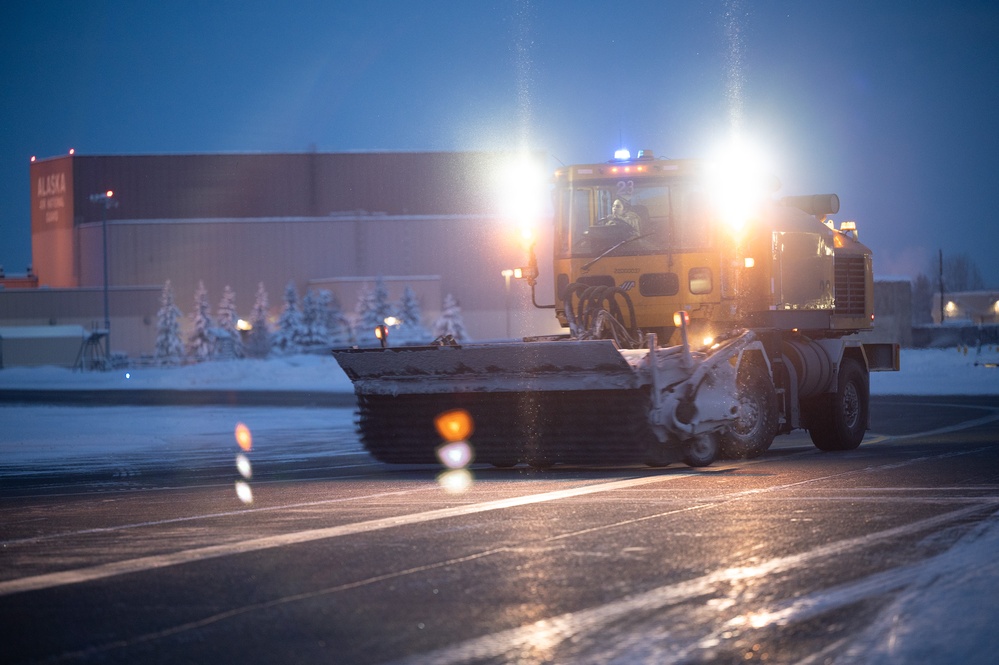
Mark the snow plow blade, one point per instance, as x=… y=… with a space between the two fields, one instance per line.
x=540 y=402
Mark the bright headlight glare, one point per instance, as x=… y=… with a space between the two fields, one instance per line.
x=521 y=190
x=740 y=181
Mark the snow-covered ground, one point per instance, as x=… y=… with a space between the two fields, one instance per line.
x=924 y=372
x=298 y=372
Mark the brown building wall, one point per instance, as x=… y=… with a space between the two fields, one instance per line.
x=53 y=247
x=133 y=312
x=281 y=185
x=238 y=220
x=468 y=253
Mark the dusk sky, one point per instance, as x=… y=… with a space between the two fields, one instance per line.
x=892 y=105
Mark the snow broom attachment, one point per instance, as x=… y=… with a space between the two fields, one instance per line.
x=538 y=402
x=695 y=396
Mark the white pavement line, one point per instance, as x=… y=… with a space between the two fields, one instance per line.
x=188 y=518
x=966 y=424
x=537 y=641
x=142 y=564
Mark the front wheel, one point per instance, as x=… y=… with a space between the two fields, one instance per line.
x=756 y=425
x=839 y=421
x=701 y=450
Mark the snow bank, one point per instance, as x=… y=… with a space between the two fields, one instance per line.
x=947 y=615
x=940 y=372
x=924 y=372
x=298 y=372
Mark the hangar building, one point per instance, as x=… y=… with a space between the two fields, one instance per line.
x=320 y=220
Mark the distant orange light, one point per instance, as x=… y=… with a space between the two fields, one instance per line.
x=32 y=158
x=109 y=193
x=243 y=437
x=72 y=151
x=454 y=425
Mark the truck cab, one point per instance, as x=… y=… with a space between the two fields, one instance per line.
x=656 y=231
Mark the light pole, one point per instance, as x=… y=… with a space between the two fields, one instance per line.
x=507 y=274
x=107 y=198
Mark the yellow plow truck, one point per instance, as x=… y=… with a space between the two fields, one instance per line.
x=696 y=330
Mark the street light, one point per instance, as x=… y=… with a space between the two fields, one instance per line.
x=107 y=198
x=507 y=274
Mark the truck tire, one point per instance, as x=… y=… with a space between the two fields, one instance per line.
x=756 y=426
x=839 y=421
x=701 y=450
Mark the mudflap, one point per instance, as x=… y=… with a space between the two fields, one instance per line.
x=543 y=403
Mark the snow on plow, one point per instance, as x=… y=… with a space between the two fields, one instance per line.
x=548 y=402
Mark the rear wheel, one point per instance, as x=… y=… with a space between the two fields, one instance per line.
x=838 y=421
x=756 y=426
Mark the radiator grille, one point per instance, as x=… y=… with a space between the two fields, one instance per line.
x=850 y=282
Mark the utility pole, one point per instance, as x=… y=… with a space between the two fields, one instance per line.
x=107 y=198
x=941 y=289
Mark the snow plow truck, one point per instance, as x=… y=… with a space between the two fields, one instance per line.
x=694 y=333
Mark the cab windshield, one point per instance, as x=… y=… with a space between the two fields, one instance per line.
x=660 y=215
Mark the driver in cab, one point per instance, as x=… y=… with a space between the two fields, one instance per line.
x=623 y=215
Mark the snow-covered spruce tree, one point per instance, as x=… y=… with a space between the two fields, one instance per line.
x=289 y=334
x=259 y=342
x=337 y=324
x=372 y=309
x=410 y=329
x=314 y=330
x=226 y=319
x=200 y=342
x=450 y=321
x=169 y=347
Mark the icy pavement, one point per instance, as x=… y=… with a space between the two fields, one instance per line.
x=946 y=613
x=123 y=441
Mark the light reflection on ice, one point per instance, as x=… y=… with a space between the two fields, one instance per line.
x=243 y=492
x=243 y=437
x=455 y=425
x=455 y=481
x=455 y=455
x=243 y=466
x=245 y=440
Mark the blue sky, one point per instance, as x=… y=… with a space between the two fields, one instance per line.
x=894 y=106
